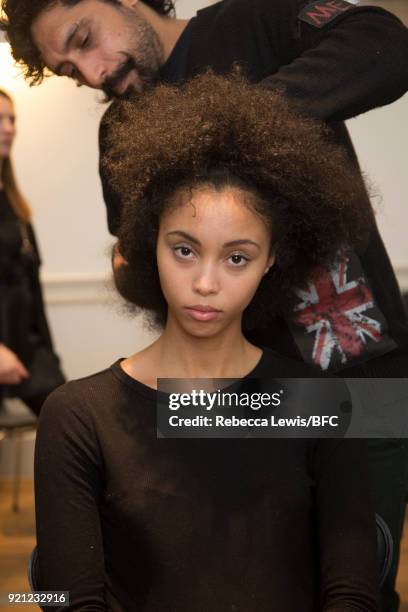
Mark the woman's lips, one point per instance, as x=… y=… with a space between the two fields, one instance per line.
x=202 y=313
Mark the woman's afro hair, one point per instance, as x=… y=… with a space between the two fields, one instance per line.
x=173 y=138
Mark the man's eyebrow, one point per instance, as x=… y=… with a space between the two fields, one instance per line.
x=69 y=37
x=242 y=241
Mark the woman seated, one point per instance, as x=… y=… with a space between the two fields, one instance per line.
x=232 y=200
x=29 y=368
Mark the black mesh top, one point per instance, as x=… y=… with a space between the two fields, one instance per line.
x=126 y=521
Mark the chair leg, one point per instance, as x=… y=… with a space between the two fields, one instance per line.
x=17 y=474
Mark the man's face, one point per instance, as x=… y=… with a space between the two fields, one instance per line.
x=101 y=45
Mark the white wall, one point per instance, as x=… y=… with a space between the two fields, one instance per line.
x=381 y=141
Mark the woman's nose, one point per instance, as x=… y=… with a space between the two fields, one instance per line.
x=206 y=281
x=7 y=126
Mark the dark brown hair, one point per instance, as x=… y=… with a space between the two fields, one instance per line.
x=224 y=132
x=11 y=189
x=20 y=16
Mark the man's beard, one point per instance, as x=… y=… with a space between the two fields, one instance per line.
x=145 y=58
x=147 y=79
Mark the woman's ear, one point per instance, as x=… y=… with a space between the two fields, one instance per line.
x=269 y=264
x=117 y=259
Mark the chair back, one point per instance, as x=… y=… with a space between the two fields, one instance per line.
x=385 y=547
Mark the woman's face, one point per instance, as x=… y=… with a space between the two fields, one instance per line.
x=212 y=252
x=7 y=126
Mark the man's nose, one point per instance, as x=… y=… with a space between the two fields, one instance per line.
x=206 y=281
x=92 y=72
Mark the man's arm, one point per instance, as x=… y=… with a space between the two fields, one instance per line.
x=338 y=60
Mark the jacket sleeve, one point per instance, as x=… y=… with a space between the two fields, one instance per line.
x=346 y=527
x=336 y=65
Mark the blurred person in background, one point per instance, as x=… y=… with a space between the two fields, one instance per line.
x=29 y=368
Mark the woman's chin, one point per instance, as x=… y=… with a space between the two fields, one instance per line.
x=201 y=329
x=203 y=332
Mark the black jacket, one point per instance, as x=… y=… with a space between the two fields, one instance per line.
x=336 y=61
x=22 y=311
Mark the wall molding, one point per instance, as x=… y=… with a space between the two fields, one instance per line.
x=62 y=289
x=77 y=288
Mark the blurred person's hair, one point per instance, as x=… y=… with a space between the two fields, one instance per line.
x=18 y=202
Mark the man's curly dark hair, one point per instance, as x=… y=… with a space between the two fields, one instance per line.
x=20 y=15
x=220 y=132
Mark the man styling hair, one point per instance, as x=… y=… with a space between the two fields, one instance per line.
x=335 y=60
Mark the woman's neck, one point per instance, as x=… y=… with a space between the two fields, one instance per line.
x=177 y=354
x=226 y=355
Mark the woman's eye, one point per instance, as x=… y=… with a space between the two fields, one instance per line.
x=183 y=252
x=85 y=42
x=238 y=260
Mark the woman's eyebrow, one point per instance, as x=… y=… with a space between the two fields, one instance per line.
x=231 y=243
x=242 y=241
x=184 y=235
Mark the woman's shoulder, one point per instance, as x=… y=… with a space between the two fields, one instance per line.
x=83 y=396
x=74 y=422
x=90 y=382
x=88 y=413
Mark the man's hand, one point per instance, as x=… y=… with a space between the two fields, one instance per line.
x=12 y=371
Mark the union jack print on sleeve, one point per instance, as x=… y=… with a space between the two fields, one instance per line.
x=337 y=320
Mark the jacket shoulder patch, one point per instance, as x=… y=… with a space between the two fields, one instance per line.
x=322 y=12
